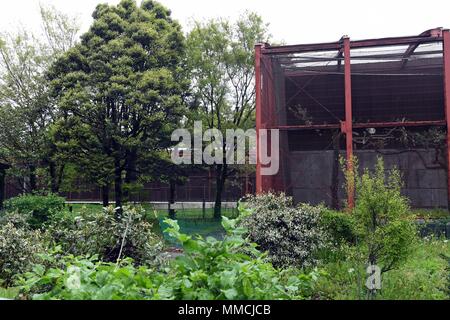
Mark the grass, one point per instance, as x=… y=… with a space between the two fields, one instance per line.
x=424 y=276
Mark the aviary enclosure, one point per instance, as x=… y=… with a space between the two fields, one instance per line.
x=388 y=97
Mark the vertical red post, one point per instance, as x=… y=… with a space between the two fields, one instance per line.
x=446 y=51
x=258 y=115
x=348 y=126
x=268 y=116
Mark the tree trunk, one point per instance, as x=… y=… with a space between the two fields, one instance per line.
x=105 y=195
x=33 y=180
x=171 y=198
x=118 y=186
x=371 y=293
x=53 y=176
x=2 y=187
x=130 y=174
x=221 y=174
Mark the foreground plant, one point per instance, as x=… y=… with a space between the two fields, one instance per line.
x=101 y=233
x=292 y=235
x=385 y=228
x=209 y=269
x=38 y=209
x=229 y=269
x=18 y=249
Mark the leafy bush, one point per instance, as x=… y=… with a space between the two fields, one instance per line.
x=230 y=269
x=86 y=278
x=103 y=233
x=18 y=249
x=38 y=208
x=209 y=269
x=382 y=216
x=386 y=232
x=291 y=235
x=340 y=226
x=18 y=220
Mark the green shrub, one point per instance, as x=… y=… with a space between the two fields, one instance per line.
x=291 y=235
x=18 y=220
x=208 y=269
x=101 y=233
x=18 y=249
x=382 y=216
x=229 y=269
x=86 y=278
x=38 y=208
x=340 y=226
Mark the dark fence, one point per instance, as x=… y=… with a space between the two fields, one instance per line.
x=195 y=189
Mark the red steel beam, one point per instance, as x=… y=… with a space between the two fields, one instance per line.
x=329 y=46
x=268 y=182
x=297 y=48
x=446 y=47
x=437 y=32
x=366 y=125
x=258 y=49
x=348 y=128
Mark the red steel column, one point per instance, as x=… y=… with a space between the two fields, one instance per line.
x=446 y=51
x=258 y=115
x=348 y=126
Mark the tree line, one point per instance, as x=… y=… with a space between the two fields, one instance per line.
x=100 y=107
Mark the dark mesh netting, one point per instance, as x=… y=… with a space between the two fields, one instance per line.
x=397 y=97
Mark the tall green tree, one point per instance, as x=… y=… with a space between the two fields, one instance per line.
x=121 y=91
x=221 y=63
x=26 y=108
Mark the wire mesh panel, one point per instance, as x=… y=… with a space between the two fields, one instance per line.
x=397 y=104
x=391 y=84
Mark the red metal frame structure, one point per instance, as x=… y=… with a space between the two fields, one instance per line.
x=347 y=127
x=343 y=49
x=446 y=49
x=258 y=115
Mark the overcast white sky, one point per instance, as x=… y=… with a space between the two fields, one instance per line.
x=292 y=21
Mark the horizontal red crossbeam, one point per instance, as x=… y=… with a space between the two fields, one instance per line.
x=329 y=46
x=365 y=125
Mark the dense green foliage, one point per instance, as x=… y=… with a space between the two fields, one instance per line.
x=422 y=276
x=101 y=233
x=37 y=208
x=120 y=92
x=80 y=233
x=340 y=226
x=27 y=110
x=18 y=249
x=447 y=285
x=292 y=235
x=71 y=278
x=209 y=269
x=231 y=269
x=382 y=217
x=221 y=64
